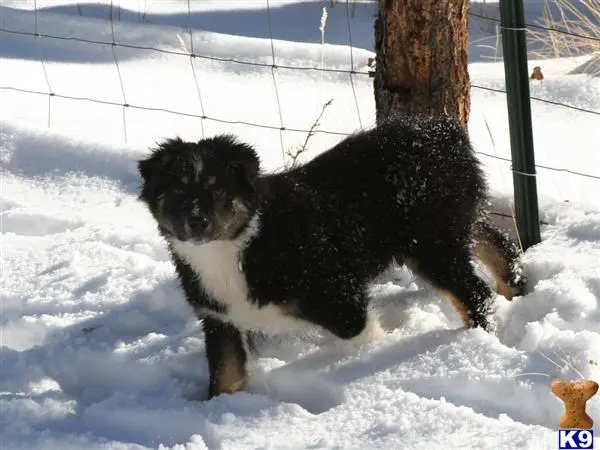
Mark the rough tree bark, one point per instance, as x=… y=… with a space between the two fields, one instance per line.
x=421 y=63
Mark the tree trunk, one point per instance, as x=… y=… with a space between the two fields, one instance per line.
x=421 y=48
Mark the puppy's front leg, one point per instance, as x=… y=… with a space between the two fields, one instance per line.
x=227 y=357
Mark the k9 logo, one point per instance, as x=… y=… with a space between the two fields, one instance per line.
x=575 y=439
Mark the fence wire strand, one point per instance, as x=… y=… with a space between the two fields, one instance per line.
x=255 y=125
x=537 y=99
x=349 y=23
x=538 y=27
x=43 y=61
x=191 y=33
x=259 y=64
x=273 y=76
x=116 y=61
x=180 y=53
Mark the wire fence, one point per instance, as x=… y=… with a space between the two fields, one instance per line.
x=273 y=66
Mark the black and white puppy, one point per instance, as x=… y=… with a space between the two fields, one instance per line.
x=300 y=247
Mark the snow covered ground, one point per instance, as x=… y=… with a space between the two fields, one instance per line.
x=98 y=350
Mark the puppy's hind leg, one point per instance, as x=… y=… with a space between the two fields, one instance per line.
x=499 y=253
x=448 y=268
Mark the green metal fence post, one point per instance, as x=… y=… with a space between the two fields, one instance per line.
x=514 y=48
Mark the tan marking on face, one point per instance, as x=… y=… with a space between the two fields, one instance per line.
x=198 y=166
x=239 y=206
x=211 y=180
x=230 y=223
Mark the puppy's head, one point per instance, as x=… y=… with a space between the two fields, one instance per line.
x=201 y=191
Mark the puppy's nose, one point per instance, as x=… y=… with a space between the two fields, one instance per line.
x=198 y=223
x=182 y=236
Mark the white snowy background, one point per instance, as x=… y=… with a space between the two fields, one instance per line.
x=98 y=348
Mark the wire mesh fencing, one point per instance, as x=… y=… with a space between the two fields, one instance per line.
x=194 y=52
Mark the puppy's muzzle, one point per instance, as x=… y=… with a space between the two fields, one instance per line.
x=198 y=224
x=194 y=227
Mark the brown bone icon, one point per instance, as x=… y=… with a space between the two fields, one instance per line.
x=574 y=395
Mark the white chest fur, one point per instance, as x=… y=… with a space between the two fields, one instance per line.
x=218 y=268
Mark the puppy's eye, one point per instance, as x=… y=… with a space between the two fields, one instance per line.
x=211 y=180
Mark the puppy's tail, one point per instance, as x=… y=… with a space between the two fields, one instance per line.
x=500 y=254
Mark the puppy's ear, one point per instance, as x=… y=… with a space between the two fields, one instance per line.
x=149 y=167
x=159 y=159
x=246 y=166
x=241 y=158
